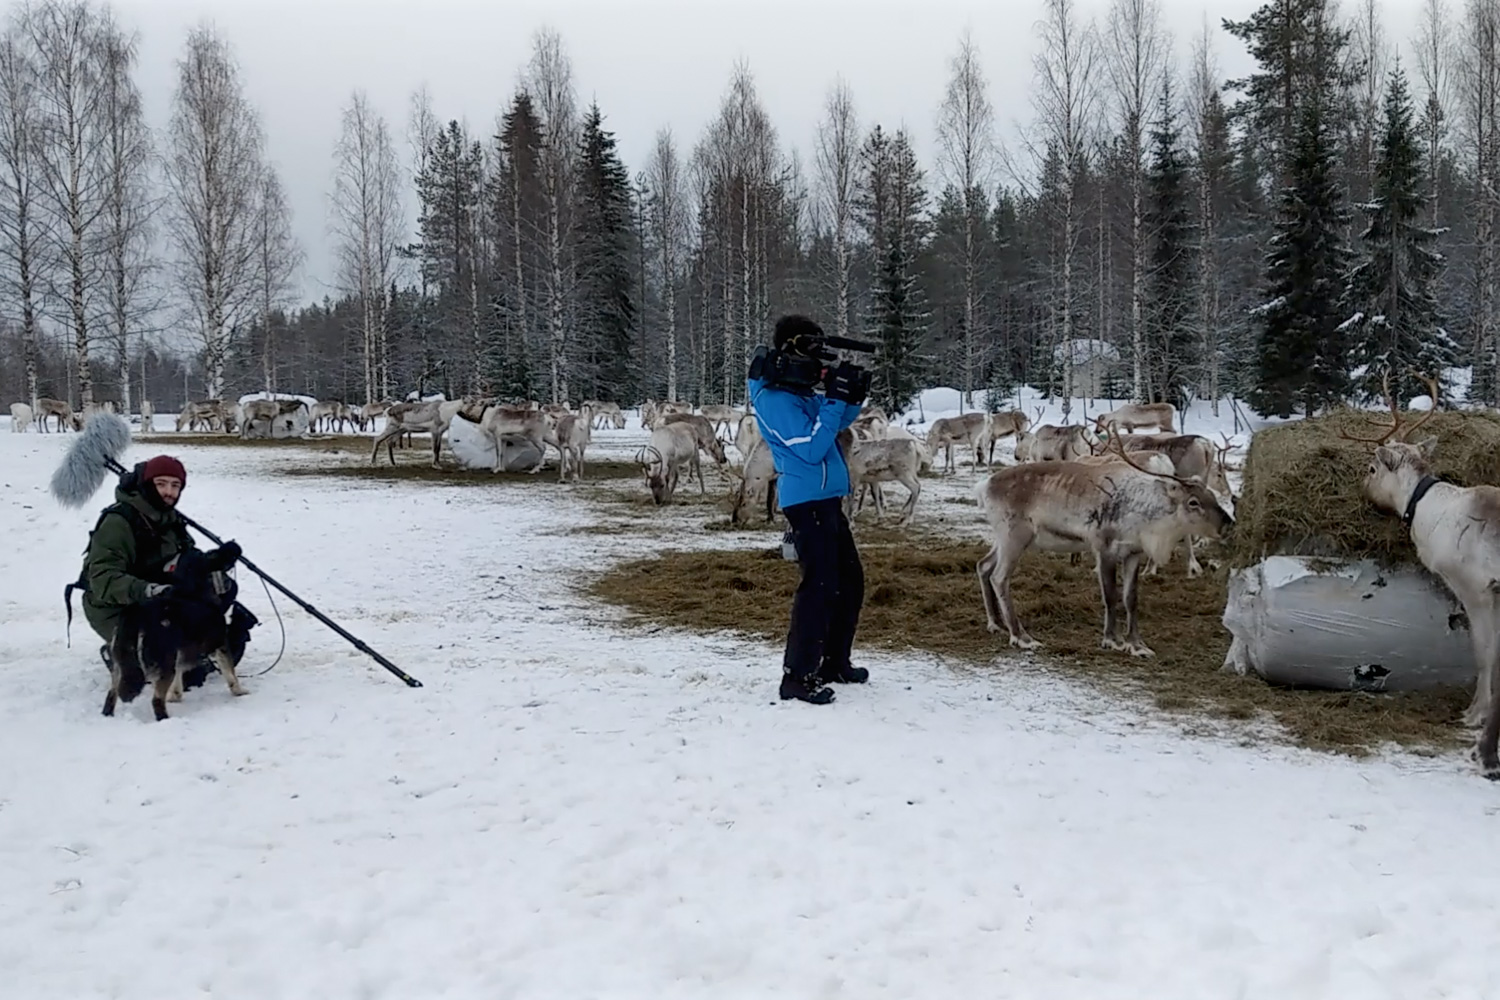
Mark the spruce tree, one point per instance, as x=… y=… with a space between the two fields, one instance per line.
x=1393 y=325
x=1301 y=351
x=898 y=312
x=1170 y=285
x=606 y=282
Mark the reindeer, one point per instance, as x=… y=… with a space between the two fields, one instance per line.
x=721 y=416
x=323 y=415
x=1133 y=415
x=1053 y=443
x=746 y=435
x=946 y=432
x=1120 y=512
x=208 y=413
x=870 y=426
x=369 y=412
x=573 y=434
x=1001 y=425
x=271 y=411
x=148 y=417
x=605 y=413
x=62 y=410
x=756 y=480
x=418 y=418
x=529 y=424
x=20 y=418
x=1456 y=532
x=672 y=446
x=703 y=432
x=884 y=460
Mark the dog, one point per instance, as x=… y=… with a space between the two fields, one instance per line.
x=163 y=639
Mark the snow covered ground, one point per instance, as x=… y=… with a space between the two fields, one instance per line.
x=573 y=808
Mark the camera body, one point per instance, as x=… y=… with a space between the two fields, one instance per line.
x=800 y=373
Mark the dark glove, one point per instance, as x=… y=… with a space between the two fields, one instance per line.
x=849 y=383
x=155 y=590
x=229 y=553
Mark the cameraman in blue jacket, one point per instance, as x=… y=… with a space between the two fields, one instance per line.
x=800 y=427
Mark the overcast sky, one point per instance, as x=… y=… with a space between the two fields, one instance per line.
x=649 y=65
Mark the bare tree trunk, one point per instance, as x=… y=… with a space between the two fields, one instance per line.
x=1203 y=95
x=967 y=150
x=213 y=169
x=21 y=232
x=664 y=179
x=551 y=77
x=837 y=154
x=1435 y=57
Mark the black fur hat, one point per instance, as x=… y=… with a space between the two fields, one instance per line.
x=797 y=335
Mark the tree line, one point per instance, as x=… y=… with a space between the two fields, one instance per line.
x=1315 y=231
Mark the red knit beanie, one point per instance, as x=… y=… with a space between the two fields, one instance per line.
x=164 y=465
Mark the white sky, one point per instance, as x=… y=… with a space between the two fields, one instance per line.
x=649 y=64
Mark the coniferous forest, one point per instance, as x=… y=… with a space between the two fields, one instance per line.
x=1298 y=237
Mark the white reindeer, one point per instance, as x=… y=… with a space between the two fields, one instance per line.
x=672 y=446
x=411 y=418
x=1132 y=415
x=573 y=433
x=20 y=418
x=148 y=417
x=1456 y=531
x=532 y=425
x=884 y=460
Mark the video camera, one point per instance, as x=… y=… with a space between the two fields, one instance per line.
x=800 y=372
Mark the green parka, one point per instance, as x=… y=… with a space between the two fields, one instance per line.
x=116 y=569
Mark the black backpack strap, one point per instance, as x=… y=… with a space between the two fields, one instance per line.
x=143 y=534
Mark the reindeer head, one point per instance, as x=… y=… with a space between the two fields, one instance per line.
x=1396 y=466
x=1022 y=421
x=658 y=475
x=1199 y=509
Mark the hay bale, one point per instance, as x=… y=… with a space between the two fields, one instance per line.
x=1303 y=487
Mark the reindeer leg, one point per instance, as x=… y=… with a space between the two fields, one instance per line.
x=1484 y=633
x=1133 y=643
x=1104 y=568
x=1194 y=568
x=914 y=488
x=1011 y=542
x=437 y=445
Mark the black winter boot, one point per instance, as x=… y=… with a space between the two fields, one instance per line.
x=828 y=674
x=807 y=689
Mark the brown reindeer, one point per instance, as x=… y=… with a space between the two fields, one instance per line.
x=1132 y=415
x=1119 y=512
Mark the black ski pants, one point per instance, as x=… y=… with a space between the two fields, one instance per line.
x=825 y=608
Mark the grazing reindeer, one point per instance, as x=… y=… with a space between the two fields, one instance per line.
x=606 y=413
x=62 y=410
x=573 y=435
x=411 y=418
x=883 y=460
x=756 y=480
x=532 y=425
x=1053 y=443
x=671 y=447
x=1456 y=532
x=208 y=413
x=721 y=416
x=1132 y=415
x=20 y=418
x=1118 y=511
x=270 y=411
x=1002 y=425
x=703 y=432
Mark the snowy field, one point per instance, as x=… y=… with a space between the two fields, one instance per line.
x=573 y=808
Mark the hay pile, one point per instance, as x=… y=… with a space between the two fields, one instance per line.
x=1302 y=493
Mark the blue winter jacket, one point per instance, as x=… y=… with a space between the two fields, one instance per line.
x=801 y=431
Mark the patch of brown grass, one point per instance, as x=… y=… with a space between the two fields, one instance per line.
x=328 y=443
x=928 y=600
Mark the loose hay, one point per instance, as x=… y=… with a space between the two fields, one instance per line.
x=928 y=600
x=1302 y=486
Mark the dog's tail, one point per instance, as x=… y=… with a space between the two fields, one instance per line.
x=129 y=678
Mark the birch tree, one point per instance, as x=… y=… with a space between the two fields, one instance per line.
x=836 y=158
x=277 y=260
x=966 y=157
x=550 y=82
x=21 y=230
x=1066 y=101
x=212 y=166
x=1137 y=60
x=1480 y=99
x=130 y=204
x=1210 y=139
x=668 y=208
x=367 y=228
x=68 y=37
x=1434 y=47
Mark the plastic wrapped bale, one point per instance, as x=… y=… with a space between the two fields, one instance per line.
x=475 y=449
x=1326 y=590
x=1346 y=625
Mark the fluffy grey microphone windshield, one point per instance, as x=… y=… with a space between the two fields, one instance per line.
x=105 y=438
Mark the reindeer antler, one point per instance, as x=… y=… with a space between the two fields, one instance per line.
x=1396 y=429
